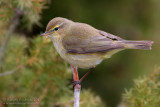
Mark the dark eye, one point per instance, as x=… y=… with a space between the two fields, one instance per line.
x=56 y=28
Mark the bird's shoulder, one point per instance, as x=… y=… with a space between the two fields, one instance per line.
x=78 y=33
x=82 y=30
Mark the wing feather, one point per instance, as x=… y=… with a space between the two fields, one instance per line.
x=102 y=42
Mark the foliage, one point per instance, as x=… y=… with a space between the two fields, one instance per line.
x=31 y=10
x=145 y=93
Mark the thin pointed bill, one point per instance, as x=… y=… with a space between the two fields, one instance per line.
x=45 y=34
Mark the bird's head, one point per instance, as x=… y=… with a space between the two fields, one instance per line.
x=57 y=28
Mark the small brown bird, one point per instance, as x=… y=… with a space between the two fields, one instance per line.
x=83 y=46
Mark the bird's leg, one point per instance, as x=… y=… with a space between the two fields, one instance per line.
x=75 y=76
x=90 y=70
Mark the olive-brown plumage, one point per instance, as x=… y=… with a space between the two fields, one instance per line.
x=84 y=46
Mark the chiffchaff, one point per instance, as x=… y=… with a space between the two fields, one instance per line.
x=83 y=46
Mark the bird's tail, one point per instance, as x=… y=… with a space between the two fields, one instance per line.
x=145 y=45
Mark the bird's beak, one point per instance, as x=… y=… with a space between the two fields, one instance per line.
x=44 y=34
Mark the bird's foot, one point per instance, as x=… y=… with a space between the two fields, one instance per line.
x=76 y=82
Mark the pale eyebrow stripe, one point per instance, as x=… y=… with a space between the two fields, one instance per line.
x=58 y=25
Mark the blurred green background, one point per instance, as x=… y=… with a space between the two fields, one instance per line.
x=129 y=19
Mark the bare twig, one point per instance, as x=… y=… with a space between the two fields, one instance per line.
x=11 y=71
x=7 y=73
x=10 y=30
x=153 y=74
x=77 y=87
x=44 y=92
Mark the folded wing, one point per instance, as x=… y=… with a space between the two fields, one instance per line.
x=102 y=42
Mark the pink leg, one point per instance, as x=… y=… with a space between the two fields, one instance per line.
x=75 y=73
x=76 y=82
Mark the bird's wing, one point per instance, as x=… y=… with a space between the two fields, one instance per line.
x=110 y=36
x=103 y=42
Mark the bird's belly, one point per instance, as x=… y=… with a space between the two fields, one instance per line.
x=79 y=60
x=83 y=60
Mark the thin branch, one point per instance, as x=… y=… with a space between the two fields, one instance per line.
x=44 y=92
x=10 y=30
x=77 y=87
x=7 y=73
x=11 y=71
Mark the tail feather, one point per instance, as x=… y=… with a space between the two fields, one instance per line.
x=145 y=45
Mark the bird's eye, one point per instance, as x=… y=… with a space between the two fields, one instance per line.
x=55 y=29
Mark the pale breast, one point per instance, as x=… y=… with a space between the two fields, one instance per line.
x=83 y=60
x=79 y=60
